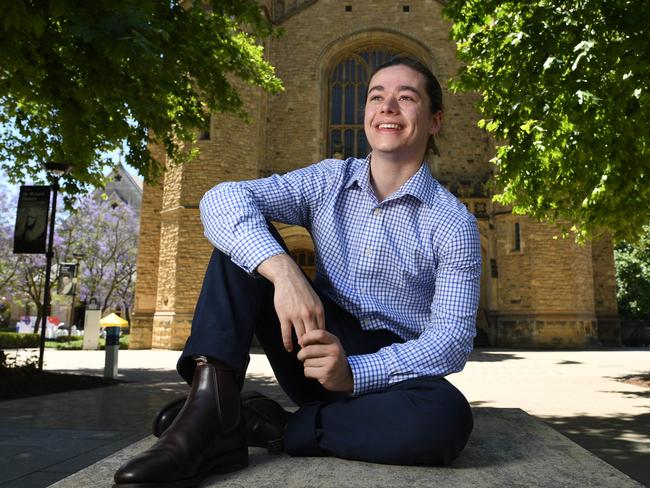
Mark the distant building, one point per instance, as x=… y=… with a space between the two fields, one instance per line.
x=123 y=186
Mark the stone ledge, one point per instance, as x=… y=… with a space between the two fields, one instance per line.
x=508 y=449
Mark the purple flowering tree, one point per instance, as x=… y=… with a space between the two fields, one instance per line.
x=8 y=265
x=103 y=231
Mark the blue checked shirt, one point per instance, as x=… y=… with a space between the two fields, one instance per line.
x=410 y=264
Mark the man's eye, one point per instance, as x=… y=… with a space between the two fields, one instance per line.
x=406 y=97
x=375 y=97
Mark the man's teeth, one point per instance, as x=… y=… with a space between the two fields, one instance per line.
x=390 y=126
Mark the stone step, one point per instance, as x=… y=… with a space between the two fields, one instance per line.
x=508 y=449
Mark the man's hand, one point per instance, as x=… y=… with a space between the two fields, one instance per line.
x=324 y=360
x=296 y=303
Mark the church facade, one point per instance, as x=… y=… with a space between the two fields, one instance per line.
x=536 y=290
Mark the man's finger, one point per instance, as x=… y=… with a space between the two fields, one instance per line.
x=312 y=351
x=310 y=319
x=318 y=336
x=286 y=328
x=299 y=327
x=317 y=362
x=320 y=318
x=313 y=373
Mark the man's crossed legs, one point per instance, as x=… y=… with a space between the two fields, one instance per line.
x=418 y=421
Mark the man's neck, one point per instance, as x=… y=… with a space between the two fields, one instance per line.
x=387 y=176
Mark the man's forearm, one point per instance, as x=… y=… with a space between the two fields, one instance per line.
x=279 y=267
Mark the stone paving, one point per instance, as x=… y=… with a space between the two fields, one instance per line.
x=508 y=449
x=44 y=439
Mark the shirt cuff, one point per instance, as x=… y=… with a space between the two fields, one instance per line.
x=251 y=251
x=368 y=373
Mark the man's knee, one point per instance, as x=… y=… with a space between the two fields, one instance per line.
x=438 y=426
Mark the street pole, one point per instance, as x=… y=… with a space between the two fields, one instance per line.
x=75 y=280
x=55 y=171
x=48 y=267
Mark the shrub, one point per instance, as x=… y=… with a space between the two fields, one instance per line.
x=14 y=340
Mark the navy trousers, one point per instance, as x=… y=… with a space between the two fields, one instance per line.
x=419 y=421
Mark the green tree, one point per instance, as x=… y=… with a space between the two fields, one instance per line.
x=79 y=79
x=633 y=277
x=565 y=86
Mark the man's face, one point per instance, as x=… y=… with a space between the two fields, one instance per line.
x=398 y=119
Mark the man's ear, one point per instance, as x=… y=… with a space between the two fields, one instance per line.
x=436 y=122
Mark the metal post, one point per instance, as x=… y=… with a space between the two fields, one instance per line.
x=112 y=350
x=48 y=266
x=75 y=280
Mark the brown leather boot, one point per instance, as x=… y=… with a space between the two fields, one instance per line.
x=206 y=436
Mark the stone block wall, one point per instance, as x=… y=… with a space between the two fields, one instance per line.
x=231 y=153
x=550 y=292
x=546 y=288
x=609 y=327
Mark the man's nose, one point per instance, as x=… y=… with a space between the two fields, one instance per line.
x=389 y=105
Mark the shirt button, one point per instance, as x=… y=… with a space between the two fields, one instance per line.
x=377 y=212
x=368 y=252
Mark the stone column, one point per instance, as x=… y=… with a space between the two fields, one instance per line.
x=146 y=286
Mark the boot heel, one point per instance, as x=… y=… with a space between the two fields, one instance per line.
x=232 y=461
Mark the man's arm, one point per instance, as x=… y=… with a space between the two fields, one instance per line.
x=235 y=214
x=235 y=217
x=446 y=342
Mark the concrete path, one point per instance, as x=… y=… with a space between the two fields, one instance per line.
x=44 y=439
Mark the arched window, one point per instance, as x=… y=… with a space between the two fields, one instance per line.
x=347 y=96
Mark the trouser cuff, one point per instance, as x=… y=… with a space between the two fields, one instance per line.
x=300 y=436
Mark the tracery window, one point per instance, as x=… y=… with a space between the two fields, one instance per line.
x=347 y=96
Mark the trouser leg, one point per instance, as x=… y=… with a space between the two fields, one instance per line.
x=228 y=310
x=420 y=421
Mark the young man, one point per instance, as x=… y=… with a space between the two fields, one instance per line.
x=363 y=350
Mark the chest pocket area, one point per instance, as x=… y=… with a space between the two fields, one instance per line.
x=418 y=269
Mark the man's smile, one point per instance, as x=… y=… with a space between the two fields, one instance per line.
x=389 y=126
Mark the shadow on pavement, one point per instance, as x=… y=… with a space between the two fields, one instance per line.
x=611 y=439
x=490 y=357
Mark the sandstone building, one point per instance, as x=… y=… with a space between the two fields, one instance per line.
x=535 y=290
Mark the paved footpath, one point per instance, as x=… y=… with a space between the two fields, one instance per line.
x=44 y=439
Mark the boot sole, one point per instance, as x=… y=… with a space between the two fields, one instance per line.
x=226 y=463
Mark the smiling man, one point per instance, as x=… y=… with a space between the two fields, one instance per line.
x=363 y=350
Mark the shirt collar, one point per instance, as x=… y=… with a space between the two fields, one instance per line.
x=361 y=175
x=421 y=185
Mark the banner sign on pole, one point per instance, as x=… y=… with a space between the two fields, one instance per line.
x=67 y=272
x=31 y=220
